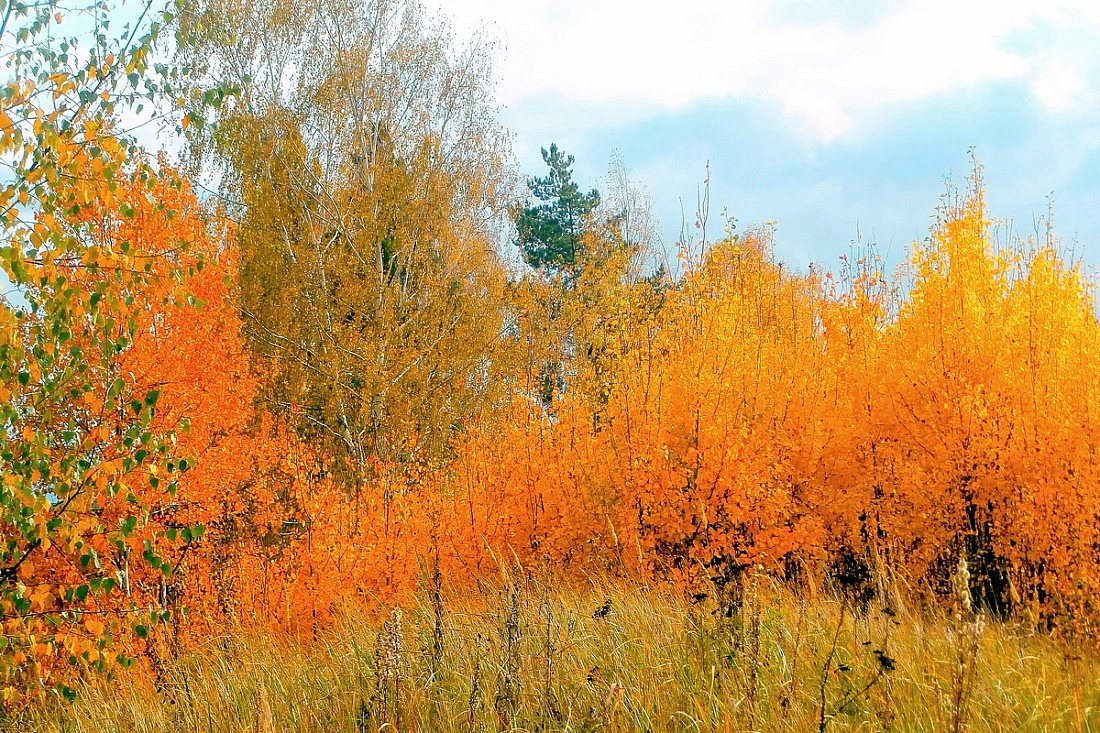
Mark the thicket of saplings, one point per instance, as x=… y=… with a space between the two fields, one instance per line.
x=290 y=439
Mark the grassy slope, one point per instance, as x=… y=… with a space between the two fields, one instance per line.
x=655 y=662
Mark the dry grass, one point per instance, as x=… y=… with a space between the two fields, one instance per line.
x=608 y=656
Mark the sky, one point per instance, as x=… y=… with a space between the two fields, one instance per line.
x=832 y=118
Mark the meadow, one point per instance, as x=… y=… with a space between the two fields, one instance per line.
x=538 y=654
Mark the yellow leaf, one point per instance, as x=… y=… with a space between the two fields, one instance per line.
x=92 y=401
x=41 y=597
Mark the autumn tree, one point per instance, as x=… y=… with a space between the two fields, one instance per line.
x=367 y=177
x=589 y=308
x=81 y=455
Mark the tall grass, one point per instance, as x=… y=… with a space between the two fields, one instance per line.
x=603 y=655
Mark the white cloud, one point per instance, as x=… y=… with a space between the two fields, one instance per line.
x=1059 y=86
x=828 y=69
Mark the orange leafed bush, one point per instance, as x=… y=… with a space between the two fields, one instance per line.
x=778 y=418
x=763 y=417
x=876 y=428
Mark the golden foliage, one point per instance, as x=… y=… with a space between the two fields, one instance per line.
x=320 y=394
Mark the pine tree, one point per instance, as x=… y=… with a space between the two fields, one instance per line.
x=549 y=233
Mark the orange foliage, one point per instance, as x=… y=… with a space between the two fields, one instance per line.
x=757 y=417
x=760 y=417
x=777 y=418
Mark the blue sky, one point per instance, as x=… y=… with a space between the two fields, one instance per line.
x=826 y=117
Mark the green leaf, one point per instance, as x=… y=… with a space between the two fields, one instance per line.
x=128 y=525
